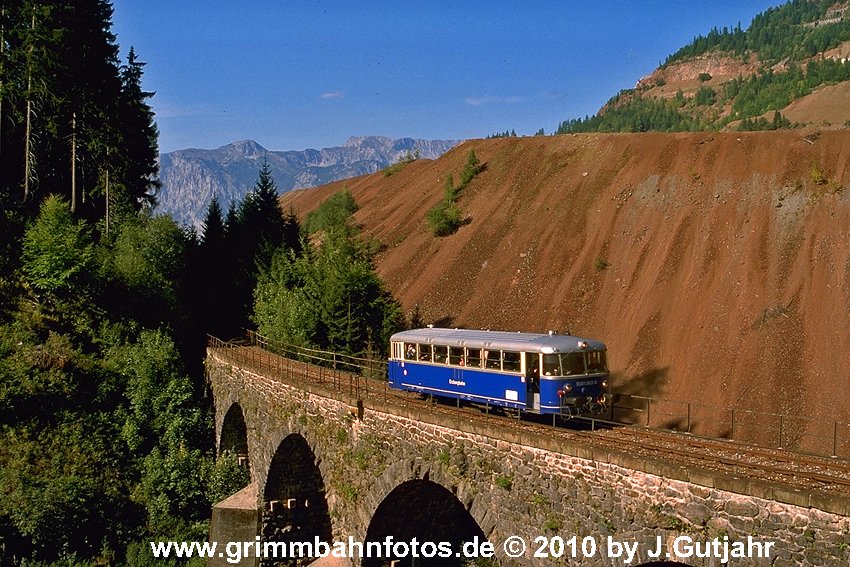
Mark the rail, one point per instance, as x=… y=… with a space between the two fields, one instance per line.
x=363 y=377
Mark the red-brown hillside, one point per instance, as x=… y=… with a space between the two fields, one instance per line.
x=728 y=255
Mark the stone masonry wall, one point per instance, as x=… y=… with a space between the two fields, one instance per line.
x=513 y=483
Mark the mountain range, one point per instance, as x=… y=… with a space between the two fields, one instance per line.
x=191 y=178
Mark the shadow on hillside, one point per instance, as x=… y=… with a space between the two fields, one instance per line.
x=677 y=424
x=446 y=322
x=637 y=399
x=651 y=383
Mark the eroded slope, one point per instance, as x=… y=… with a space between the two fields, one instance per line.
x=714 y=265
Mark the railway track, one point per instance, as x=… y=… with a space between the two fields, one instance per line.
x=730 y=451
x=794 y=469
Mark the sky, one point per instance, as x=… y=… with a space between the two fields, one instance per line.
x=297 y=74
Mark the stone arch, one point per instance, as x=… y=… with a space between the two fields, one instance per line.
x=424 y=510
x=234 y=436
x=295 y=507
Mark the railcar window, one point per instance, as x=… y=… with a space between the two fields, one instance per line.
x=456 y=355
x=410 y=351
x=572 y=363
x=510 y=361
x=441 y=354
x=425 y=352
x=596 y=361
x=551 y=365
x=473 y=357
x=493 y=359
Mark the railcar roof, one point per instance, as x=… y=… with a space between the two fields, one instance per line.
x=498 y=340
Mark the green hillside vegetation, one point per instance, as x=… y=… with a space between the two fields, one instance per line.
x=779 y=35
x=774 y=34
x=445 y=217
x=335 y=212
x=106 y=427
x=327 y=296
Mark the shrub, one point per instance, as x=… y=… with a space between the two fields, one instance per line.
x=444 y=218
x=705 y=96
x=601 y=264
x=332 y=213
x=817 y=175
x=505 y=481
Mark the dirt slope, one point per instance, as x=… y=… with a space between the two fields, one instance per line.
x=827 y=107
x=716 y=266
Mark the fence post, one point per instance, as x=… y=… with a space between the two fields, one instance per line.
x=781 y=423
x=647 y=411
x=689 y=417
x=834 y=438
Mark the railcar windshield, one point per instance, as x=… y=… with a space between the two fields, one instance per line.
x=572 y=363
x=596 y=362
x=551 y=365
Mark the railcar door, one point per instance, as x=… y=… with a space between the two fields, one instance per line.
x=532 y=381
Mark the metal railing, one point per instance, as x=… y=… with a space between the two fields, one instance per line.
x=362 y=376
x=343 y=373
x=804 y=434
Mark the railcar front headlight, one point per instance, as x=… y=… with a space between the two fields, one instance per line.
x=604 y=384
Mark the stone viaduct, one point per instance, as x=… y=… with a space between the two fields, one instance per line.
x=331 y=464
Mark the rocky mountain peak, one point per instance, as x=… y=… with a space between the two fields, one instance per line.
x=191 y=178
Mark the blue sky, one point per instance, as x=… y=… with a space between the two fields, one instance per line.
x=310 y=74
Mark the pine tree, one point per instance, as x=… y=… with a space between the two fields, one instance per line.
x=261 y=218
x=57 y=251
x=139 y=159
x=213 y=224
x=72 y=121
x=255 y=230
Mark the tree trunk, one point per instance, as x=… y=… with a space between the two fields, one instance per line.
x=28 y=132
x=107 y=196
x=74 y=162
x=2 y=68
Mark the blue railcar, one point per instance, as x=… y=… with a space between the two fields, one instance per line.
x=538 y=373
